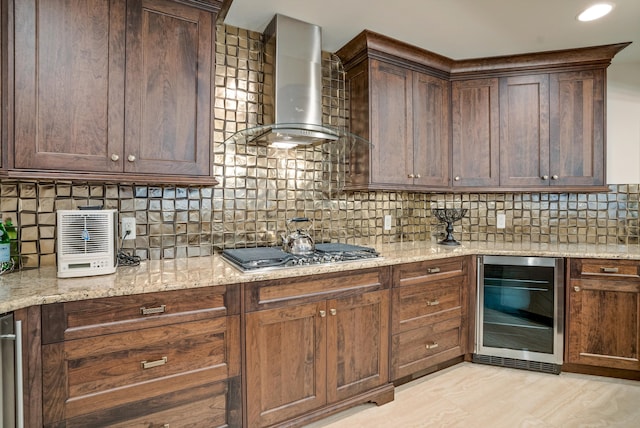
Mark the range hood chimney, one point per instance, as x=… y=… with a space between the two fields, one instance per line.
x=293 y=52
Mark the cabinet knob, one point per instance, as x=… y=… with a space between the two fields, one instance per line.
x=545 y=177
x=323 y=314
x=433 y=270
x=554 y=177
x=411 y=176
x=435 y=302
x=333 y=311
x=431 y=345
x=115 y=157
x=418 y=176
x=457 y=178
x=131 y=158
x=576 y=288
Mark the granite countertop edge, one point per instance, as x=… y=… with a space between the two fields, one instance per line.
x=41 y=286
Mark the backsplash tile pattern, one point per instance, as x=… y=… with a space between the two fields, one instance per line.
x=589 y=218
x=261 y=188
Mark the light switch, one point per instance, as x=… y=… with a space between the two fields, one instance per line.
x=501 y=221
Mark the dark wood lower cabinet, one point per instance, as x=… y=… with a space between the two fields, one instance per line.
x=146 y=360
x=205 y=406
x=429 y=321
x=312 y=345
x=603 y=328
x=311 y=352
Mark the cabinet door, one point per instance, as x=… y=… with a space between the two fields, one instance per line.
x=391 y=124
x=357 y=344
x=113 y=375
x=69 y=84
x=524 y=131
x=577 y=109
x=285 y=362
x=475 y=125
x=430 y=131
x=168 y=95
x=3 y=79
x=604 y=318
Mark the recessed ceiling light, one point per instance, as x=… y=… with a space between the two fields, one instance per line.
x=596 y=11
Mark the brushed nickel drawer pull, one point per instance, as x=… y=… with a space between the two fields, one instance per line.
x=435 y=302
x=609 y=270
x=323 y=314
x=150 y=311
x=433 y=270
x=152 y=364
x=432 y=345
x=576 y=288
x=333 y=311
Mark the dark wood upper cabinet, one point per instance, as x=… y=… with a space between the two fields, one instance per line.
x=403 y=110
x=69 y=83
x=431 y=99
x=3 y=80
x=524 y=131
x=168 y=94
x=391 y=119
x=475 y=125
x=519 y=122
x=577 y=127
x=115 y=88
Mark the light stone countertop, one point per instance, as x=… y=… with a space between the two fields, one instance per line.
x=41 y=286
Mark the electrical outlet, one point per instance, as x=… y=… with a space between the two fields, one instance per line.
x=387 y=222
x=501 y=221
x=129 y=225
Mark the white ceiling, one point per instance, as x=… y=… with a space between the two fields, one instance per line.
x=457 y=29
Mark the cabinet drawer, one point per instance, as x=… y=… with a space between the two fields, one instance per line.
x=201 y=407
x=427 y=271
x=424 y=347
x=293 y=291
x=98 y=373
x=87 y=318
x=627 y=270
x=418 y=305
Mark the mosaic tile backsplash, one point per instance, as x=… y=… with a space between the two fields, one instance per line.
x=260 y=188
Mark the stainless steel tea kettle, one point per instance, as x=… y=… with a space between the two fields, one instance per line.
x=298 y=241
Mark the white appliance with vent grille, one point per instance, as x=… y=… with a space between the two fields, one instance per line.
x=86 y=242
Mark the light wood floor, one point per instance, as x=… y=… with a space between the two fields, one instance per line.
x=479 y=396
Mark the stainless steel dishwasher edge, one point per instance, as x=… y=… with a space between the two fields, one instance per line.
x=11 y=398
x=520 y=312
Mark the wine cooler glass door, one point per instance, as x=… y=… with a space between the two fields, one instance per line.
x=520 y=308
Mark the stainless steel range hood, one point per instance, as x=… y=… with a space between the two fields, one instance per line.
x=293 y=56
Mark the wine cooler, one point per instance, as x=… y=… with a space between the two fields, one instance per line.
x=520 y=312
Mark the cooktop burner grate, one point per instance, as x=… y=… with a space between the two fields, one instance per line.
x=264 y=258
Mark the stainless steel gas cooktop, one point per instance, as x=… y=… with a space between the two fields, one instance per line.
x=269 y=258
